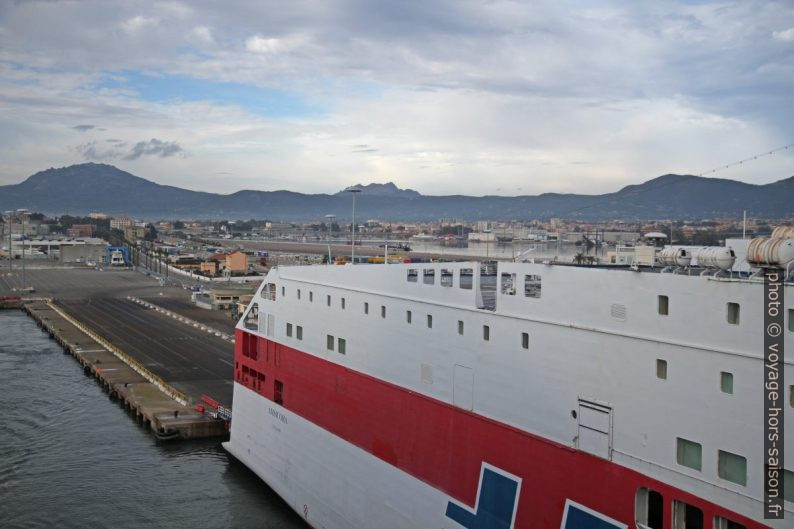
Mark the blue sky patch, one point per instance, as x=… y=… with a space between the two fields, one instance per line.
x=269 y=102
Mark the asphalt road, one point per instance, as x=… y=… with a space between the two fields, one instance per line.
x=220 y=320
x=192 y=360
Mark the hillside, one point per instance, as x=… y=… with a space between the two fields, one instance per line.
x=80 y=189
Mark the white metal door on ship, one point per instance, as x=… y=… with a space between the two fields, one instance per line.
x=595 y=428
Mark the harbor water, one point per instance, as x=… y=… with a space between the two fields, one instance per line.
x=72 y=458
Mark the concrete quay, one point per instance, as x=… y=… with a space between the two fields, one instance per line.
x=194 y=360
x=148 y=398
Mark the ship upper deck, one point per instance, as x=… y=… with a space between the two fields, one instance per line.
x=682 y=307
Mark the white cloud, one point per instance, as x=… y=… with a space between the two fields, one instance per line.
x=138 y=23
x=259 y=44
x=202 y=34
x=784 y=36
x=449 y=96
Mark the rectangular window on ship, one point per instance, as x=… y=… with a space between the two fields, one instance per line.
x=689 y=454
x=732 y=467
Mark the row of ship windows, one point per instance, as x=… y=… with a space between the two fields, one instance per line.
x=507 y=283
x=733 y=315
x=732 y=311
x=726 y=380
x=532 y=282
x=486 y=329
x=532 y=288
x=730 y=467
x=341 y=343
x=649 y=513
x=447 y=276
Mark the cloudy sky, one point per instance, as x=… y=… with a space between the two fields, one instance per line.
x=444 y=97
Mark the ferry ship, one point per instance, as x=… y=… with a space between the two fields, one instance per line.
x=515 y=394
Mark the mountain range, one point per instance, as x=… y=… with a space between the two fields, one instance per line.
x=80 y=189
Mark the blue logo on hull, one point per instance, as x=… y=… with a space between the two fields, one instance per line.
x=580 y=517
x=496 y=503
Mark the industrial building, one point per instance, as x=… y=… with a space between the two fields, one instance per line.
x=224 y=298
x=65 y=250
x=33 y=228
x=83 y=253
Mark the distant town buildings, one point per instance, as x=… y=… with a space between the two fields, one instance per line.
x=119 y=223
x=236 y=263
x=209 y=268
x=132 y=233
x=81 y=230
x=31 y=228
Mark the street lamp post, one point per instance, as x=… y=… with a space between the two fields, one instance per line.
x=354 y=191
x=19 y=215
x=330 y=219
x=22 y=220
x=9 y=220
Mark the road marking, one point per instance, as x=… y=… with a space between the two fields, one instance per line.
x=225 y=361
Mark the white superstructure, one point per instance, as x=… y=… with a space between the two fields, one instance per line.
x=350 y=381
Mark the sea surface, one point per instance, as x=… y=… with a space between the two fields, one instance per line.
x=70 y=457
